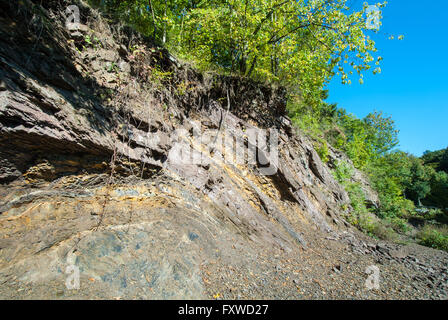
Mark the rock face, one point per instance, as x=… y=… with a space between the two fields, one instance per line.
x=91 y=148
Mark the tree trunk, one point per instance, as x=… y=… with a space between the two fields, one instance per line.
x=164 y=24
x=252 y=66
x=153 y=19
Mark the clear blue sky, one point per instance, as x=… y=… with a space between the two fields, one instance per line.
x=413 y=85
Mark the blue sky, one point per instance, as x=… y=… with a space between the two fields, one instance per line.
x=413 y=85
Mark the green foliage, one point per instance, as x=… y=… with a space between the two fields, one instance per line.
x=158 y=77
x=112 y=67
x=343 y=172
x=399 y=224
x=92 y=41
x=322 y=150
x=439 y=190
x=393 y=174
x=159 y=19
x=382 y=230
x=280 y=40
x=432 y=157
x=382 y=134
x=444 y=161
x=389 y=176
x=367 y=139
x=418 y=187
x=431 y=214
x=436 y=164
x=359 y=213
x=361 y=216
x=182 y=88
x=301 y=44
x=436 y=159
x=434 y=237
x=313 y=119
x=358 y=216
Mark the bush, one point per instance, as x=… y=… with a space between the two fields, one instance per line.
x=429 y=213
x=382 y=231
x=400 y=224
x=343 y=172
x=321 y=148
x=434 y=237
x=359 y=215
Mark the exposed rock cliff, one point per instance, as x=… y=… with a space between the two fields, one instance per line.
x=93 y=124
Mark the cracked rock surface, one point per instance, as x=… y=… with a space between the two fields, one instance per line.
x=91 y=176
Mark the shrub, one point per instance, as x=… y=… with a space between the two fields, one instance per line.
x=434 y=237
x=322 y=150
x=360 y=215
x=399 y=224
x=429 y=213
x=343 y=172
x=380 y=230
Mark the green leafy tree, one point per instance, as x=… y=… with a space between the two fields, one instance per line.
x=419 y=186
x=436 y=159
x=300 y=44
x=390 y=174
x=356 y=144
x=383 y=136
x=295 y=42
x=367 y=139
x=439 y=190
x=444 y=161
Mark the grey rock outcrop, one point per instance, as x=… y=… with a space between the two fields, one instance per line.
x=91 y=173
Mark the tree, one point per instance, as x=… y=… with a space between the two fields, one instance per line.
x=444 y=161
x=369 y=138
x=418 y=187
x=295 y=42
x=356 y=144
x=390 y=174
x=436 y=159
x=383 y=136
